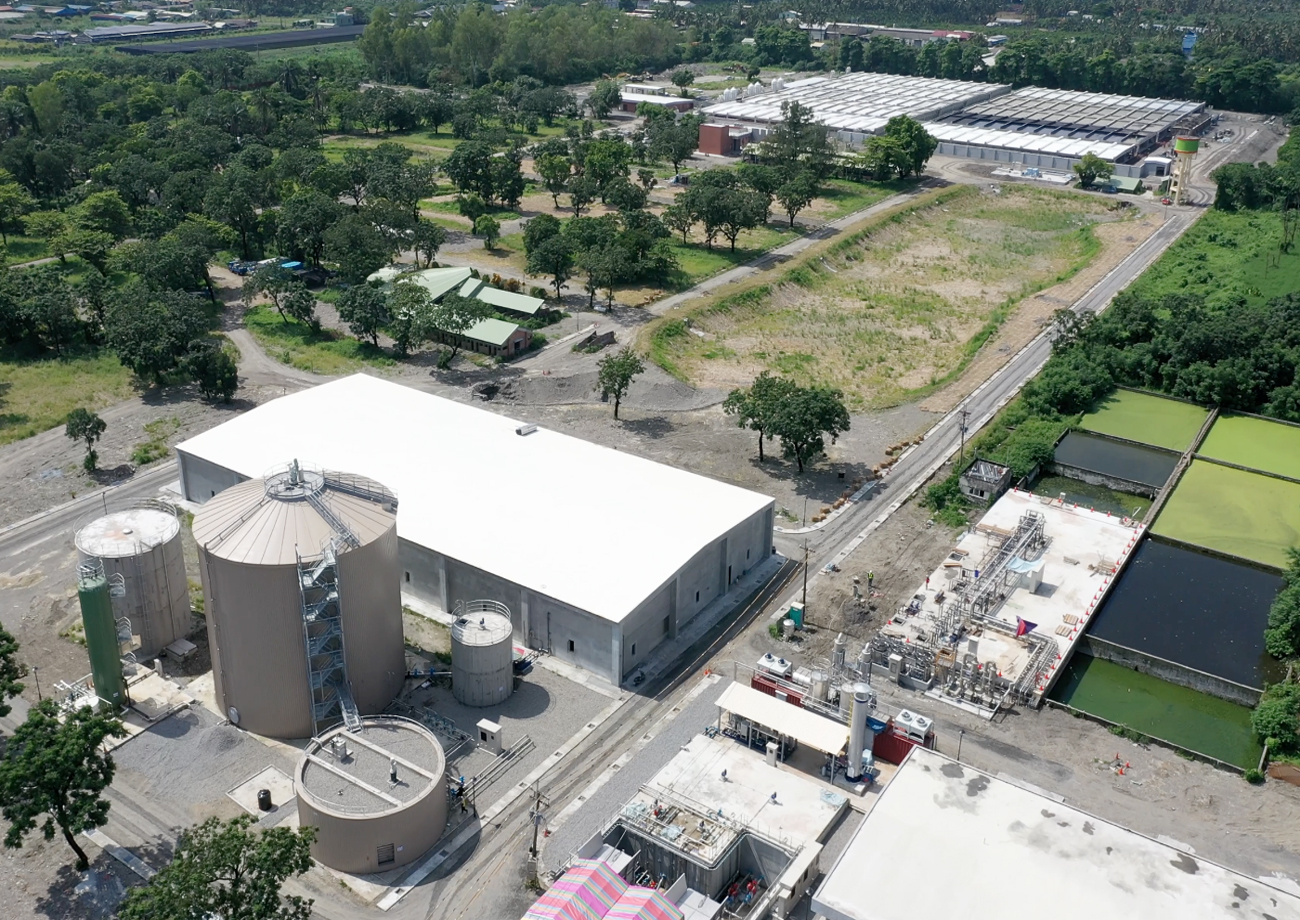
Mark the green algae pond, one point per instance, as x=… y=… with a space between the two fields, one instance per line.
x=1184 y=718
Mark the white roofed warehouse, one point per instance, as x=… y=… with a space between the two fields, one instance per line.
x=600 y=575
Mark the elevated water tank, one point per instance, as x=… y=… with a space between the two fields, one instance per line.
x=142 y=545
x=482 y=656
x=376 y=794
x=304 y=610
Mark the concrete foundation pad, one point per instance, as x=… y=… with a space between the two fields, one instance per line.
x=280 y=785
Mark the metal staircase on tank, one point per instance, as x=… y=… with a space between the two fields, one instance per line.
x=322 y=627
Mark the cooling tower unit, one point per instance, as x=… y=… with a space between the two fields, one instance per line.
x=482 y=657
x=300 y=578
x=377 y=794
x=143 y=545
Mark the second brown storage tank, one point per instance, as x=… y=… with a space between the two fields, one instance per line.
x=303 y=600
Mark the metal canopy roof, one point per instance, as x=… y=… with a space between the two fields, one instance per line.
x=1097 y=116
x=791 y=721
x=1026 y=141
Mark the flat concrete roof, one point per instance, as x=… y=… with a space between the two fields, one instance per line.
x=353 y=776
x=126 y=533
x=943 y=836
x=462 y=476
x=802 y=813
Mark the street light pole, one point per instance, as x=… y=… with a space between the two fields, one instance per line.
x=36 y=672
x=961 y=733
x=805 y=576
x=962 y=456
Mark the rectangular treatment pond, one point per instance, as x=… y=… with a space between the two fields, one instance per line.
x=1113 y=463
x=1260 y=444
x=1247 y=515
x=1194 y=610
x=1179 y=716
x=1147 y=419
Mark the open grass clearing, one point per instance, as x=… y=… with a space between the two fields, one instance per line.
x=38 y=395
x=1260 y=444
x=896 y=309
x=841 y=197
x=325 y=352
x=1226 y=255
x=1247 y=515
x=1146 y=419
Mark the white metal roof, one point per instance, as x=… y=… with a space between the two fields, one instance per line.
x=473 y=489
x=1023 y=140
x=860 y=101
x=961 y=837
x=792 y=721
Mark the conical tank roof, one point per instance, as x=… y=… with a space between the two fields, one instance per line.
x=294 y=512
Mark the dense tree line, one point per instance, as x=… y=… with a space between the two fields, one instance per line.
x=559 y=44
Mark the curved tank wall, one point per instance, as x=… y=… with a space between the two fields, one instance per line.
x=366 y=823
x=143 y=546
x=250 y=537
x=482 y=655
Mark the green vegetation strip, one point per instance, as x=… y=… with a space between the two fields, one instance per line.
x=1225 y=256
x=1179 y=716
x=1243 y=514
x=324 y=352
x=1256 y=443
x=38 y=395
x=1146 y=419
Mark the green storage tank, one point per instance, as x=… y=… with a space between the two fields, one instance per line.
x=1186 y=144
x=101 y=636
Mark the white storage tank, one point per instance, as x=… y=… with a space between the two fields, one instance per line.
x=482 y=654
x=142 y=546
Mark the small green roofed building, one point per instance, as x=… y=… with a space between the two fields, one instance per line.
x=495 y=337
x=1126 y=184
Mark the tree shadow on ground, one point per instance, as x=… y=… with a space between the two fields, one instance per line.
x=654 y=426
x=822 y=482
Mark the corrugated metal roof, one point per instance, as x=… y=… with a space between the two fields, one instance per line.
x=792 y=721
x=491 y=331
x=507 y=300
x=246 y=524
x=438 y=281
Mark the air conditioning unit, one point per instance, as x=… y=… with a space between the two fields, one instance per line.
x=912 y=725
x=775 y=665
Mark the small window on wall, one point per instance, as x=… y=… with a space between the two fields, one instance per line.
x=385 y=854
x=697 y=597
x=570 y=645
x=666 y=626
x=633 y=649
x=408 y=576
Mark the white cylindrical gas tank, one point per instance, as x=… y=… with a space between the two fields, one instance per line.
x=142 y=546
x=820 y=686
x=482 y=653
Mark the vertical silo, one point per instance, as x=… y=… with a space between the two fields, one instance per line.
x=304 y=612
x=142 y=545
x=101 y=634
x=482 y=653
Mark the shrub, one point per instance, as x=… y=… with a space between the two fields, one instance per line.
x=1276 y=720
x=1254 y=776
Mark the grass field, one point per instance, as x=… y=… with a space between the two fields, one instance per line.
x=324 y=352
x=1226 y=255
x=896 y=309
x=1186 y=718
x=1248 y=515
x=38 y=395
x=842 y=196
x=1259 y=444
x=1146 y=419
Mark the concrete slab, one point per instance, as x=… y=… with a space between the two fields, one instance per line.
x=279 y=784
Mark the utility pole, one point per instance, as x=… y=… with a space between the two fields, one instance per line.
x=805 y=577
x=962 y=456
x=537 y=818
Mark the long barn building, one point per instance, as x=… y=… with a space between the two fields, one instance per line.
x=600 y=555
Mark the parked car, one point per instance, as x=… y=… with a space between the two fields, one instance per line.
x=1166 y=201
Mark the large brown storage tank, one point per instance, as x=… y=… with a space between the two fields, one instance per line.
x=302 y=560
x=366 y=822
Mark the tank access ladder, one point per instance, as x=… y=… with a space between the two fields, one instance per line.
x=322 y=628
